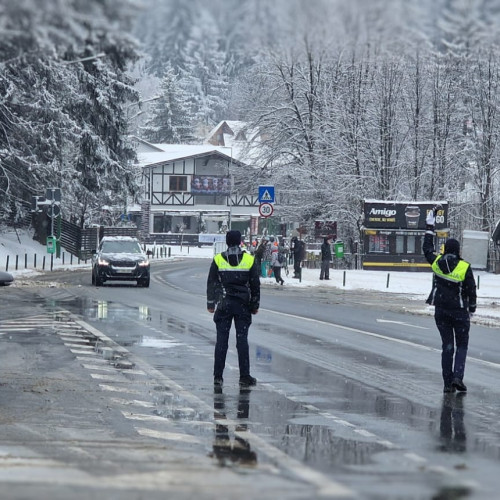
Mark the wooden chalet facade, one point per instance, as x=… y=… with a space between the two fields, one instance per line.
x=188 y=189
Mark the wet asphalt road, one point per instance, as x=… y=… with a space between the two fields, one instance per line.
x=349 y=401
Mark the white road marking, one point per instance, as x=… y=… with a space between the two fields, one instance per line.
x=74 y=338
x=146 y=418
x=17 y=329
x=169 y=436
x=112 y=388
x=381 y=337
x=99 y=367
x=134 y=402
x=401 y=323
x=107 y=378
x=94 y=360
x=81 y=351
x=326 y=486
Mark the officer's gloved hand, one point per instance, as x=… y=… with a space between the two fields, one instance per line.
x=472 y=310
x=430 y=221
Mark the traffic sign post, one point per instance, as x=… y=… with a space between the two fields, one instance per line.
x=52 y=202
x=266 y=210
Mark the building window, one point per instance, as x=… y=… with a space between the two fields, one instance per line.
x=378 y=243
x=400 y=244
x=178 y=183
x=410 y=244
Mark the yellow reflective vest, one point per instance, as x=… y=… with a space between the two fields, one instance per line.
x=456 y=276
x=245 y=264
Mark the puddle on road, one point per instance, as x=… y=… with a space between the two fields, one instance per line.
x=281 y=415
x=157 y=342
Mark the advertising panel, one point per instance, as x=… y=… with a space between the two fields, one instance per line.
x=324 y=228
x=210 y=184
x=402 y=215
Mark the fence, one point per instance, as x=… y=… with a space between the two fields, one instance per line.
x=42 y=262
x=81 y=242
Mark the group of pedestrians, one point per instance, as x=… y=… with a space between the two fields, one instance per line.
x=233 y=295
x=270 y=255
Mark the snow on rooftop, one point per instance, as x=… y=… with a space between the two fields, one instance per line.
x=170 y=152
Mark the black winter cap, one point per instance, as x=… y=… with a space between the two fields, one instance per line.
x=452 y=246
x=233 y=238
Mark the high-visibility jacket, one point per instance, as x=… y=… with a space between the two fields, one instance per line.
x=233 y=277
x=456 y=275
x=455 y=289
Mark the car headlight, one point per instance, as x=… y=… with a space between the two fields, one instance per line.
x=143 y=263
x=102 y=262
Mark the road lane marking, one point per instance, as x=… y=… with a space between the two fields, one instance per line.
x=325 y=486
x=112 y=388
x=378 y=320
x=490 y=364
x=169 y=436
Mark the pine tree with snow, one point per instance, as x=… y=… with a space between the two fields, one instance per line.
x=171 y=119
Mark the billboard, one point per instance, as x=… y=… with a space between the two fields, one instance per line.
x=324 y=228
x=402 y=215
x=210 y=184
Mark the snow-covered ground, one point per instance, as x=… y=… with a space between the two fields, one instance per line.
x=415 y=285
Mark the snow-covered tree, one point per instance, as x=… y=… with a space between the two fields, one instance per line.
x=204 y=75
x=63 y=80
x=171 y=120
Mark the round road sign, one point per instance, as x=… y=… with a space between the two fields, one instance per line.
x=266 y=209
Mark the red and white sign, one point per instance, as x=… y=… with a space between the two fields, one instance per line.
x=266 y=210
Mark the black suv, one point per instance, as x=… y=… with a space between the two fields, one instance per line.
x=120 y=258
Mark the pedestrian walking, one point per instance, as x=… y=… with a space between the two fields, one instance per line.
x=454 y=297
x=233 y=294
x=277 y=263
x=326 y=258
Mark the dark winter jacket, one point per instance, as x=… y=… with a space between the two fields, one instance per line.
x=298 y=248
x=326 y=251
x=238 y=282
x=447 y=293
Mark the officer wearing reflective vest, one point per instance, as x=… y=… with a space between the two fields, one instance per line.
x=454 y=297
x=233 y=293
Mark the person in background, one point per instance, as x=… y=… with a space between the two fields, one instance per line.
x=326 y=258
x=276 y=264
x=266 y=258
x=259 y=254
x=297 y=247
x=454 y=297
x=233 y=294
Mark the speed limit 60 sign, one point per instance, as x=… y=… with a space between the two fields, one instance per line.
x=266 y=209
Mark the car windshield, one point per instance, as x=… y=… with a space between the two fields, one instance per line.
x=121 y=247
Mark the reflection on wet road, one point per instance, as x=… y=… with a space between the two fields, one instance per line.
x=229 y=446
x=362 y=413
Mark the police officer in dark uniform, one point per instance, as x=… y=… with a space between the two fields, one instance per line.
x=454 y=297
x=233 y=286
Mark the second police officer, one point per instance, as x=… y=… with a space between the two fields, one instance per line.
x=454 y=297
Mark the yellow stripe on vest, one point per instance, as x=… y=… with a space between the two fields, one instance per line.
x=245 y=264
x=456 y=276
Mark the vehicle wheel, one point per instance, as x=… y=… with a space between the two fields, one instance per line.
x=143 y=282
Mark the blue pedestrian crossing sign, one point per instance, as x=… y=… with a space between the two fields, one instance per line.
x=266 y=194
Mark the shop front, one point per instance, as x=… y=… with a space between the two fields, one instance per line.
x=393 y=232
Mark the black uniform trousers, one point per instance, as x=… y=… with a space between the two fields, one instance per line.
x=453 y=325
x=232 y=310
